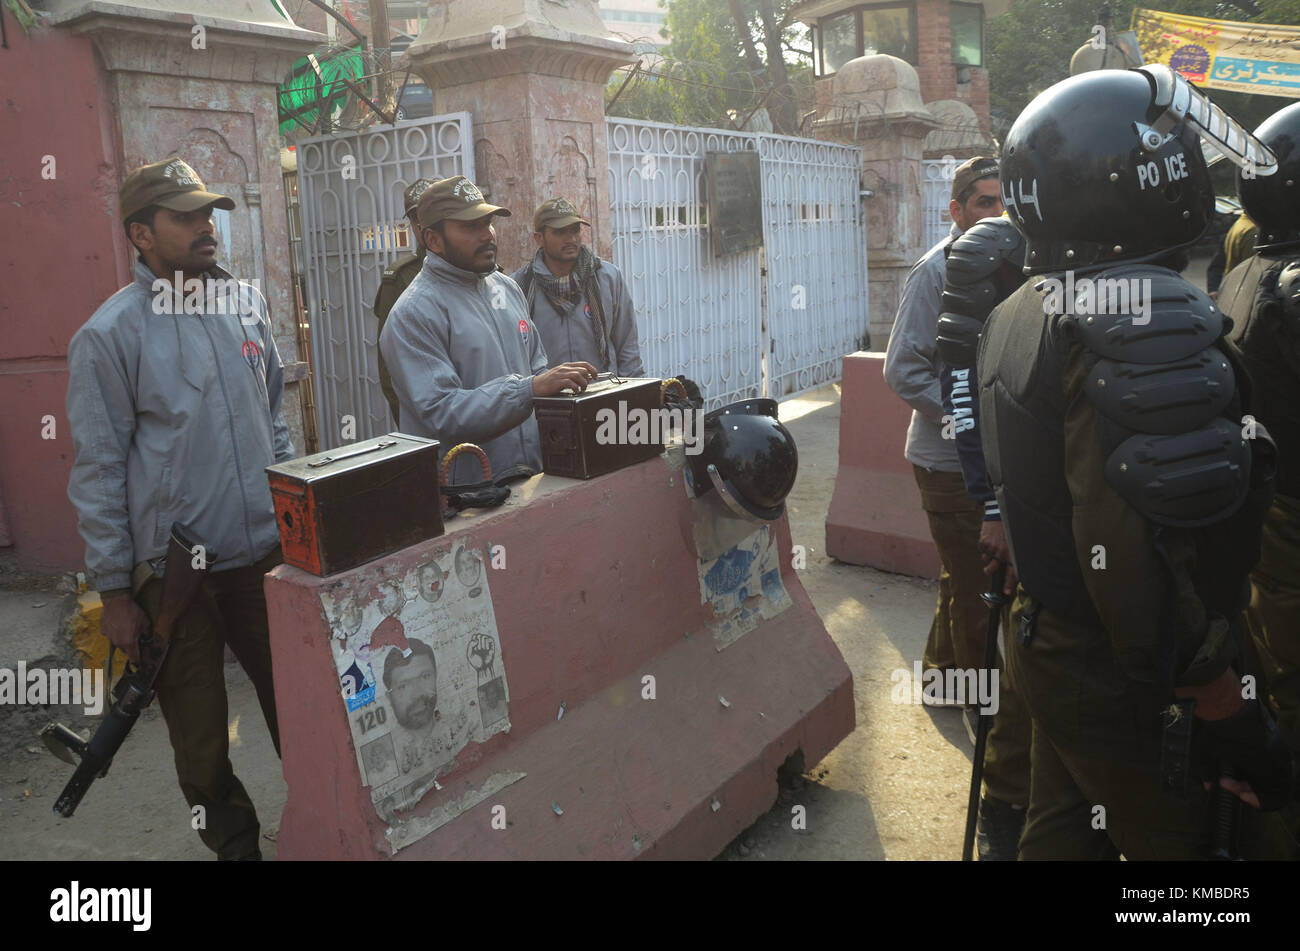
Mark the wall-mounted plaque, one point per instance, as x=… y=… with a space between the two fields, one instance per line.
x=735 y=196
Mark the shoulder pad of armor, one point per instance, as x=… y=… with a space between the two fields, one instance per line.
x=957 y=339
x=1135 y=314
x=1171 y=397
x=983 y=267
x=1187 y=479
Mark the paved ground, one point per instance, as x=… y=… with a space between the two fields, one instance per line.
x=895 y=788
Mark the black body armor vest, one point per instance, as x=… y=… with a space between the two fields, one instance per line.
x=1164 y=386
x=1022 y=414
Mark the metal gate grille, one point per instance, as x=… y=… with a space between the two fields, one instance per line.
x=816 y=259
x=719 y=321
x=351 y=189
x=696 y=316
x=936 y=176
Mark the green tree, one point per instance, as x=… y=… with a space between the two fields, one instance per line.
x=723 y=56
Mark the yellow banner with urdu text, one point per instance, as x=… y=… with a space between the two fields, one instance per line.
x=1223 y=54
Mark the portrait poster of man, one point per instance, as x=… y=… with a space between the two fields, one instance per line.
x=412 y=709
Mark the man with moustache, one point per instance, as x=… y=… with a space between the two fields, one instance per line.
x=913 y=370
x=175 y=414
x=580 y=303
x=412 y=684
x=464 y=358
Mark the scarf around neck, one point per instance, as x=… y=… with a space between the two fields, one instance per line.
x=564 y=293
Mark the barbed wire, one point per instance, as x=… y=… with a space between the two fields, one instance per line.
x=744 y=91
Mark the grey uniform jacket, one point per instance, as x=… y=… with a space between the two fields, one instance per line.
x=572 y=337
x=912 y=361
x=462 y=354
x=174 y=418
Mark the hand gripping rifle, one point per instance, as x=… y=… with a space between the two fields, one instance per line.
x=994 y=598
x=135 y=690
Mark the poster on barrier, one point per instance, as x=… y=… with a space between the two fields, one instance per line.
x=420 y=673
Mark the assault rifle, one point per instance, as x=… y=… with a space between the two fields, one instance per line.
x=135 y=690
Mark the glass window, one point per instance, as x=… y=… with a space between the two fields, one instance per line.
x=839 y=41
x=889 y=30
x=967 y=20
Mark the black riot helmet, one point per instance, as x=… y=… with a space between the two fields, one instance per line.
x=748 y=457
x=1273 y=201
x=1111 y=165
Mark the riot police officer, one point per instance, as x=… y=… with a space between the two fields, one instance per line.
x=1262 y=297
x=1111 y=421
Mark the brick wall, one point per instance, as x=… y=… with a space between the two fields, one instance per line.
x=936 y=71
x=934 y=49
x=937 y=74
x=976 y=94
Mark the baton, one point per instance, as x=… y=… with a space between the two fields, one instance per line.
x=995 y=599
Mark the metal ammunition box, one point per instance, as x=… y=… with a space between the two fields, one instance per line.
x=348 y=506
x=623 y=414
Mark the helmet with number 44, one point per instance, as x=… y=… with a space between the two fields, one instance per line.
x=1112 y=166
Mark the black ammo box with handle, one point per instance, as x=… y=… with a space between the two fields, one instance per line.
x=568 y=425
x=345 y=507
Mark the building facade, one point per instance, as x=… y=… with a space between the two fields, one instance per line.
x=943 y=40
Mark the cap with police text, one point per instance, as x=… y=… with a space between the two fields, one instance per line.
x=971 y=171
x=557 y=213
x=170 y=183
x=411 y=197
x=456 y=198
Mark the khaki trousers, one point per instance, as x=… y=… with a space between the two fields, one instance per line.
x=1273 y=620
x=960 y=626
x=229 y=610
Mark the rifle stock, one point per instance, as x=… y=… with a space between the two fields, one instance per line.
x=182 y=580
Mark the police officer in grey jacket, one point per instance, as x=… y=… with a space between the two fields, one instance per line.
x=580 y=303
x=959 y=628
x=912 y=372
x=174 y=405
x=464 y=358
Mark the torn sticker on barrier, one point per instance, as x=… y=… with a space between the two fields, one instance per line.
x=743 y=586
x=420 y=672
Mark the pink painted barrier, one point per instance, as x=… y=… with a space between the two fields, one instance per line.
x=875 y=517
x=617 y=672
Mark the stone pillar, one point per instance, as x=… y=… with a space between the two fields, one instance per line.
x=209 y=95
x=532 y=74
x=876 y=104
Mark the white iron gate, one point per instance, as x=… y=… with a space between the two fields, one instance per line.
x=815 y=255
x=936 y=175
x=695 y=316
x=353 y=225
x=719 y=321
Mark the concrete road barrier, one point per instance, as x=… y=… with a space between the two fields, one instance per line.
x=600 y=669
x=875 y=515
